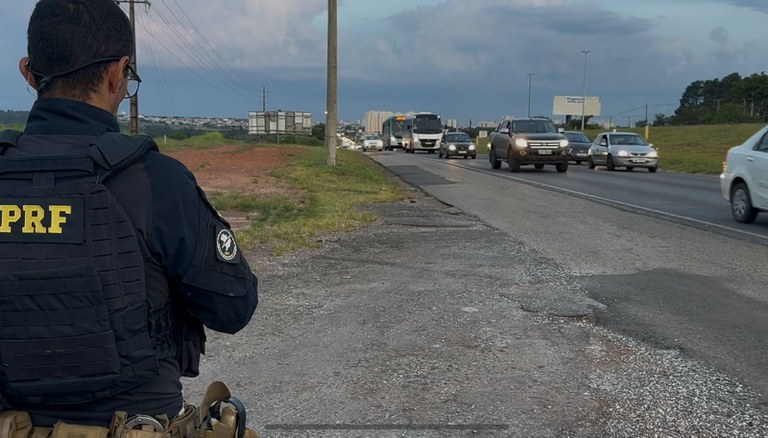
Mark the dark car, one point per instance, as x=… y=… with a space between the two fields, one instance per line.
x=579 y=143
x=528 y=141
x=456 y=144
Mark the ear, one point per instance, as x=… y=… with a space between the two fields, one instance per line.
x=116 y=75
x=28 y=75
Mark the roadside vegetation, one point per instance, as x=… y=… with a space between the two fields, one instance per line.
x=328 y=200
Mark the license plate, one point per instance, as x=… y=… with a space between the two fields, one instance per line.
x=639 y=160
x=545 y=152
x=462 y=152
x=581 y=154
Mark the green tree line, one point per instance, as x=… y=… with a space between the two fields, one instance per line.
x=732 y=99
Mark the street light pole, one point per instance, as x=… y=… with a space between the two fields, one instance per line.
x=530 y=75
x=584 y=93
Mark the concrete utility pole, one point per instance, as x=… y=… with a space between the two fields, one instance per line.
x=134 y=99
x=584 y=93
x=331 y=117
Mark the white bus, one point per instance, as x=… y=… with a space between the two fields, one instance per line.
x=392 y=131
x=423 y=132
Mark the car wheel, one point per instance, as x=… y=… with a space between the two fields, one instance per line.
x=431 y=151
x=495 y=163
x=578 y=162
x=590 y=163
x=562 y=167
x=538 y=166
x=629 y=168
x=653 y=169
x=609 y=163
x=741 y=204
x=473 y=156
x=439 y=154
x=514 y=165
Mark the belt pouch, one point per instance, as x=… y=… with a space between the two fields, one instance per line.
x=15 y=424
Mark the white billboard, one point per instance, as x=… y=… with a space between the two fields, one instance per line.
x=572 y=106
x=279 y=122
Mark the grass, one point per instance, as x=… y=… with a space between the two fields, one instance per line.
x=690 y=149
x=329 y=201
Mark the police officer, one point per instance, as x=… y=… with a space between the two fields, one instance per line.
x=192 y=272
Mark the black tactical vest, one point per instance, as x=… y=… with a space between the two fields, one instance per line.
x=73 y=299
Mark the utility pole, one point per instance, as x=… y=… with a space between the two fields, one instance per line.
x=584 y=93
x=530 y=75
x=331 y=117
x=134 y=99
x=647 y=124
x=264 y=99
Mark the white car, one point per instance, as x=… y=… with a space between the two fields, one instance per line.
x=372 y=142
x=744 y=181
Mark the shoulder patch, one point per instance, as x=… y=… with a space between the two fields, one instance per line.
x=226 y=246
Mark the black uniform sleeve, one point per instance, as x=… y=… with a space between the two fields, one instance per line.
x=198 y=249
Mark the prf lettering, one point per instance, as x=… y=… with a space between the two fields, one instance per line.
x=30 y=218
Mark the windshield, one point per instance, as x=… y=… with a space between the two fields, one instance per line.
x=457 y=137
x=398 y=127
x=427 y=124
x=628 y=139
x=533 y=126
x=577 y=137
x=372 y=137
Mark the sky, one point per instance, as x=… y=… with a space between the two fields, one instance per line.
x=462 y=59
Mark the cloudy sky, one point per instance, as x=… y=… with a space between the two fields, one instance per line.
x=463 y=59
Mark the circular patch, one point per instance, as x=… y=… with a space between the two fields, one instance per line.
x=226 y=245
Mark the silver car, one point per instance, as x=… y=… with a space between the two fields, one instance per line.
x=622 y=149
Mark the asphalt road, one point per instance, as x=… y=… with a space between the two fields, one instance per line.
x=660 y=252
x=693 y=199
x=489 y=305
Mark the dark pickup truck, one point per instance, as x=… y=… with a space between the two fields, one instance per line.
x=528 y=141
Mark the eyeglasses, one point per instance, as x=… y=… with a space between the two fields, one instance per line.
x=133 y=78
x=134 y=81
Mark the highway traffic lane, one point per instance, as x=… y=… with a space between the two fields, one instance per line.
x=694 y=199
x=677 y=287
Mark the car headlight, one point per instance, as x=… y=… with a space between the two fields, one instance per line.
x=563 y=143
x=471 y=146
x=451 y=147
x=522 y=143
x=623 y=154
x=392 y=139
x=652 y=154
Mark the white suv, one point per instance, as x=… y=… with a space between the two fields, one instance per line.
x=744 y=181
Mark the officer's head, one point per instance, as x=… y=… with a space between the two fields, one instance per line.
x=80 y=50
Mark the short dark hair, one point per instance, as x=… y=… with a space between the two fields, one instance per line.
x=66 y=34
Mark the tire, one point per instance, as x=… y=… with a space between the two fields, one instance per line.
x=609 y=163
x=590 y=163
x=439 y=153
x=652 y=169
x=495 y=163
x=578 y=162
x=741 y=204
x=473 y=157
x=514 y=165
x=538 y=166
x=431 y=151
x=562 y=167
x=629 y=168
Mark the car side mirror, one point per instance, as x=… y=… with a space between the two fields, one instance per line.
x=651 y=145
x=504 y=130
x=560 y=130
